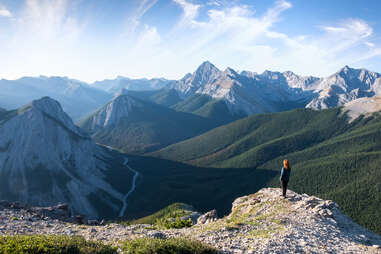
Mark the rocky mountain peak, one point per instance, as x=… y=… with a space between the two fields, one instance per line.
x=249 y=74
x=206 y=66
x=230 y=72
x=205 y=73
x=113 y=112
x=52 y=109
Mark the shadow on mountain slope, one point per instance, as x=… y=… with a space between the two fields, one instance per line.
x=164 y=182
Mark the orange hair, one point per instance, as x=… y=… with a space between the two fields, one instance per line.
x=286 y=164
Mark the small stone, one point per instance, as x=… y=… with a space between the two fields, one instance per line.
x=92 y=230
x=376 y=246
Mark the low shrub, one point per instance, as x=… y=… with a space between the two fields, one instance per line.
x=166 y=246
x=173 y=223
x=51 y=244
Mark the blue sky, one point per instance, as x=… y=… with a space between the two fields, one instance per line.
x=97 y=39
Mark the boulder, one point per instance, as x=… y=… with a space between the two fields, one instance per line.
x=208 y=217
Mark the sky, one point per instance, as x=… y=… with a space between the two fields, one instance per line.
x=97 y=39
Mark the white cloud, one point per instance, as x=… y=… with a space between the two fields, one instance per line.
x=190 y=11
x=272 y=14
x=42 y=39
x=234 y=36
x=48 y=38
x=354 y=27
x=229 y=33
x=213 y=3
x=369 y=44
x=4 y=12
x=133 y=20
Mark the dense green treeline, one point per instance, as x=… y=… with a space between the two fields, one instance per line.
x=330 y=157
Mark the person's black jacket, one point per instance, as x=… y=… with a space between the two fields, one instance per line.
x=285 y=174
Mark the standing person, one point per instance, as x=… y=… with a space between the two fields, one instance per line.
x=285 y=176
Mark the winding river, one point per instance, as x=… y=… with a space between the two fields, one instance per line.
x=136 y=174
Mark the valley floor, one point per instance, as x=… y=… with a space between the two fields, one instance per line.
x=259 y=223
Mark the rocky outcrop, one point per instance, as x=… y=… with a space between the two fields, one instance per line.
x=208 y=217
x=363 y=106
x=263 y=222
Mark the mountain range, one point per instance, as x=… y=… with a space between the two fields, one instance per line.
x=77 y=98
x=208 y=91
x=251 y=93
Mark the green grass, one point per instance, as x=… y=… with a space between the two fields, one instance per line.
x=166 y=218
x=166 y=246
x=50 y=244
x=175 y=210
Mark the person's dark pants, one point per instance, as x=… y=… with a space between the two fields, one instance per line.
x=284 y=187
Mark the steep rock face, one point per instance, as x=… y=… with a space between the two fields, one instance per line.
x=46 y=159
x=344 y=86
x=362 y=106
x=191 y=83
x=247 y=92
x=112 y=113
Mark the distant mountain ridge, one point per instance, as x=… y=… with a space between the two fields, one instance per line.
x=76 y=97
x=244 y=93
x=252 y=93
x=143 y=84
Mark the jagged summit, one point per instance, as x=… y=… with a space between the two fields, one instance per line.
x=271 y=91
x=206 y=65
x=204 y=74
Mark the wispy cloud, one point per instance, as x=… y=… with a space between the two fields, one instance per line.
x=273 y=13
x=4 y=12
x=228 y=33
x=190 y=11
x=44 y=35
x=133 y=20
